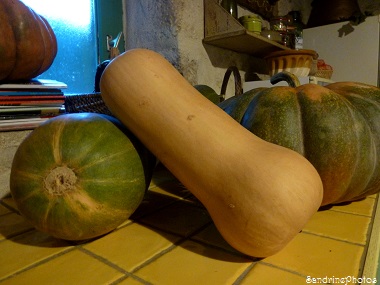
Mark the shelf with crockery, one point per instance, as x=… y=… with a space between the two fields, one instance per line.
x=224 y=31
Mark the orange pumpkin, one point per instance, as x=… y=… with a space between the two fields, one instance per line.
x=28 y=44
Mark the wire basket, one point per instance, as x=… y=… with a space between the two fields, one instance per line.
x=92 y=103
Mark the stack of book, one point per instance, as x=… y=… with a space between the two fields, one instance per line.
x=26 y=105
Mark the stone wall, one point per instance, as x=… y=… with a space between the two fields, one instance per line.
x=175 y=28
x=9 y=141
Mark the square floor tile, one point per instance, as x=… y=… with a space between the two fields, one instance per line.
x=338 y=225
x=27 y=249
x=151 y=203
x=193 y=263
x=316 y=256
x=131 y=246
x=12 y=224
x=210 y=235
x=4 y=210
x=172 y=188
x=262 y=274
x=10 y=202
x=180 y=218
x=363 y=207
x=74 y=267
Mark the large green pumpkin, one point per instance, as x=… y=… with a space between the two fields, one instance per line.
x=79 y=176
x=336 y=127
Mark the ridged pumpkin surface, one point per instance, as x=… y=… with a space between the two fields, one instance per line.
x=28 y=44
x=79 y=176
x=336 y=127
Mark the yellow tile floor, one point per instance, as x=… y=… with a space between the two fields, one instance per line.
x=170 y=239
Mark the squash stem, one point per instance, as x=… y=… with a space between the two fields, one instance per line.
x=290 y=78
x=60 y=181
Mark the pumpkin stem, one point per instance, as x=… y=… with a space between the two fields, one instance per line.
x=60 y=181
x=290 y=78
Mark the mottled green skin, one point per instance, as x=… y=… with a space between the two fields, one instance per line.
x=336 y=128
x=112 y=167
x=208 y=92
x=236 y=106
x=274 y=114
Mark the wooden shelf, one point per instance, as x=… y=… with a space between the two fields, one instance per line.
x=224 y=31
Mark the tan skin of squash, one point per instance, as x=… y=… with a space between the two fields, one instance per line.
x=259 y=195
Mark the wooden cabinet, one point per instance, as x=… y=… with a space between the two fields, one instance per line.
x=224 y=31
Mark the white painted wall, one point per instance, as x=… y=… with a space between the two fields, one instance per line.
x=353 y=55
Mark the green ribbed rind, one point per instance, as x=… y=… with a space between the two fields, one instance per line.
x=110 y=164
x=336 y=128
x=274 y=115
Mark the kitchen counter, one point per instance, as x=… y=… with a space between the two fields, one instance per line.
x=171 y=239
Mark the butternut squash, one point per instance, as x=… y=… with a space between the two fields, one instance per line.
x=259 y=195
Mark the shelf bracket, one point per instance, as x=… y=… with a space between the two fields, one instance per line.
x=218 y=20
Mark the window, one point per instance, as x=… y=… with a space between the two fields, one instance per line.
x=74 y=25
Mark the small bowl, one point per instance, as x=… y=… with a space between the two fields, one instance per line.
x=297 y=62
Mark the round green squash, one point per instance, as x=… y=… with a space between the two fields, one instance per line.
x=208 y=92
x=79 y=176
x=336 y=127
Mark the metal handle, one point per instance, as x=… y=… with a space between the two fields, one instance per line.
x=113 y=43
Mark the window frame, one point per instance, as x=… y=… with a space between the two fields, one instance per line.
x=110 y=20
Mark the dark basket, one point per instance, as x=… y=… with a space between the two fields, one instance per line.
x=265 y=8
x=92 y=103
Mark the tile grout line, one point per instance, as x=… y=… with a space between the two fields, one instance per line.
x=369 y=237
x=170 y=248
x=333 y=238
x=350 y=213
x=283 y=269
x=235 y=253
x=156 y=256
x=370 y=263
x=13 y=210
x=11 y=236
x=190 y=237
x=105 y=261
x=38 y=263
x=145 y=263
x=245 y=273
x=142 y=281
